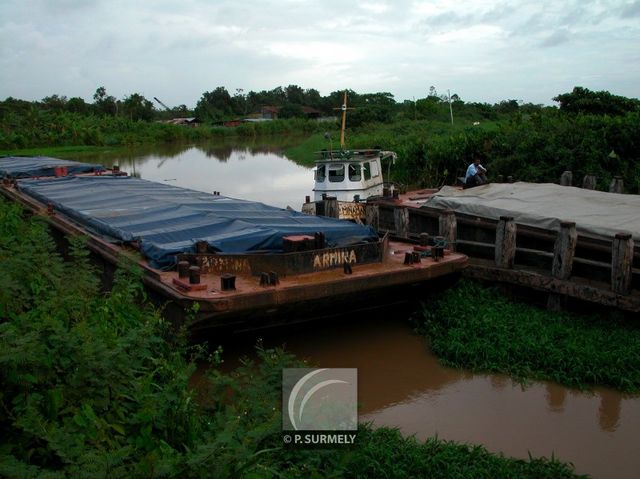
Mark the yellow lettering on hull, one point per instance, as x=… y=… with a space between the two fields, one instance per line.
x=334 y=258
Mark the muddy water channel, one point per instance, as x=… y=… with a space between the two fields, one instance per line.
x=401 y=384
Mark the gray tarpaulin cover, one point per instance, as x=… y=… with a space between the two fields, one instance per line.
x=167 y=220
x=595 y=213
x=25 y=167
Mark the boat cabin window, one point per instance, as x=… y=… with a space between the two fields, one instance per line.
x=355 y=172
x=336 y=173
x=321 y=173
x=366 y=167
x=375 y=169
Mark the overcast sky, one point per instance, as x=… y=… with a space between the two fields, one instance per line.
x=176 y=50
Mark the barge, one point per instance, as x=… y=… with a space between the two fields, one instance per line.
x=572 y=244
x=245 y=264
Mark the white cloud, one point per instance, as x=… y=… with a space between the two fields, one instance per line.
x=482 y=49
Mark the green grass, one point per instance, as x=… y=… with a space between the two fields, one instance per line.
x=476 y=328
x=55 y=151
x=96 y=384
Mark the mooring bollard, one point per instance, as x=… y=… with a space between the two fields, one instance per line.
x=183 y=269
x=424 y=239
x=194 y=274
x=346 y=268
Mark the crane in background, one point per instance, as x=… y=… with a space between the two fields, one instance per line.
x=165 y=106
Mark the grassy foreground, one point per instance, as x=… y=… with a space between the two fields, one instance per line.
x=476 y=328
x=97 y=385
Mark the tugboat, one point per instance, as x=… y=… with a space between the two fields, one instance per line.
x=349 y=176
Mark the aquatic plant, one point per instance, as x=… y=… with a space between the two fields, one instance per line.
x=477 y=328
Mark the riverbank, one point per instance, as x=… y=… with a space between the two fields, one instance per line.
x=476 y=328
x=96 y=384
x=64 y=129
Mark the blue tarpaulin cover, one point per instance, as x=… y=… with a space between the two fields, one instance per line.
x=167 y=220
x=25 y=167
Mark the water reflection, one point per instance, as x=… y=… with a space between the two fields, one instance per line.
x=555 y=397
x=256 y=171
x=609 y=410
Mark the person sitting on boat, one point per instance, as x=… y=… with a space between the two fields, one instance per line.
x=476 y=174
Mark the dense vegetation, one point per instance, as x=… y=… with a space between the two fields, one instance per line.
x=476 y=328
x=32 y=124
x=96 y=384
x=590 y=132
x=536 y=148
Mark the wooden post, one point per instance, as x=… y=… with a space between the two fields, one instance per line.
x=563 y=252
x=331 y=208
x=589 y=182
x=617 y=185
x=621 y=263
x=505 y=242
x=510 y=179
x=447 y=227
x=566 y=179
x=401 y=221
x=372 y=215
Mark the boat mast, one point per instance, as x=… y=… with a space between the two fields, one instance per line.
x=344 y=120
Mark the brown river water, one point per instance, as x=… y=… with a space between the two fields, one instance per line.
x=401 y=384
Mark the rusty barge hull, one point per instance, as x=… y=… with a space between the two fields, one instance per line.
x=308 y=283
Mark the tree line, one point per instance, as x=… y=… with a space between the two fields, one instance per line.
x=218 y=105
